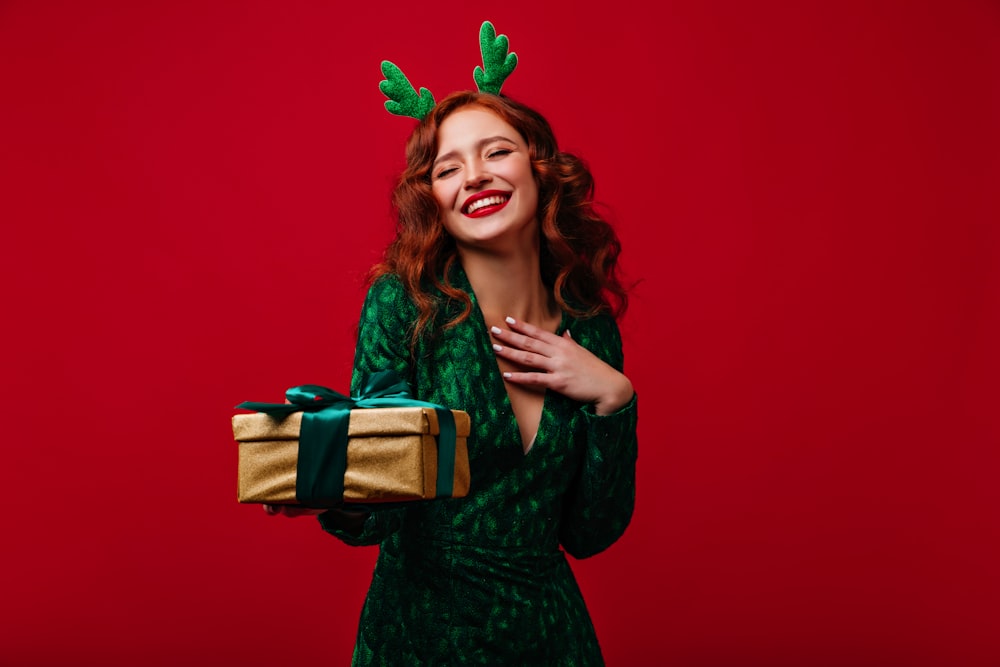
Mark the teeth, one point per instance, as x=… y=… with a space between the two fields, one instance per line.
x=486 y=201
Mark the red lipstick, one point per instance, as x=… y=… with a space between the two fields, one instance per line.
x=485 y=203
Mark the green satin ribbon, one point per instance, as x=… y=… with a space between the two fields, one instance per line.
x=322 y=459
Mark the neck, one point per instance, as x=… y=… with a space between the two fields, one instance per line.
x=509 y=285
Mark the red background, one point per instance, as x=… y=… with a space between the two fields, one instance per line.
x=191 y=193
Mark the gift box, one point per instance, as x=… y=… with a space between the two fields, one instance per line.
x=392 y=456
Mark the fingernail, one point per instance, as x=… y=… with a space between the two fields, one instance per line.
x=510 y=320
x=495 y=330
x=497 y=347
x=506 y=375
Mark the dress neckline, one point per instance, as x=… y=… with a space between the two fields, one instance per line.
x=461 y=280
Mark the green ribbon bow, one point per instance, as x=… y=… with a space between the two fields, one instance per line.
x=322 y=459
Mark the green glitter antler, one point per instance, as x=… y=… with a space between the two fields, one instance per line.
x=403 y=98
x=499 y=64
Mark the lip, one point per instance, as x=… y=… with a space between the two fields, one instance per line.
x=485 y=210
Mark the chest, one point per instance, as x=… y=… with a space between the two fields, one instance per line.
x=510 y=423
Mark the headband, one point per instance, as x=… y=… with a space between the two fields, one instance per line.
x=404 y=100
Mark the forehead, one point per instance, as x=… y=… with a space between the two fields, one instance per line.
x=465 y=128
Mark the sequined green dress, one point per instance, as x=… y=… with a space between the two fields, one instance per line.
x=482 y=580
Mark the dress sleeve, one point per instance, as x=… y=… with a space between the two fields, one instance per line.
x=600 y=501
x=383 y=343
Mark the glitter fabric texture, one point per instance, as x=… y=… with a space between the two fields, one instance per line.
x=482 y=580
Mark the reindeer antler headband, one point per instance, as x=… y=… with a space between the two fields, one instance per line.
x=404 y=100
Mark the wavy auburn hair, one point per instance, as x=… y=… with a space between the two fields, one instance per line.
x=579 y=249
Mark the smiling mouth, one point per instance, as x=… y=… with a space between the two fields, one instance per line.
x=486 y=205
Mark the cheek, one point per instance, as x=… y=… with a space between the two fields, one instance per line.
x=436 y=191
x=527 y=181
x=443 y=194
x=530 y=190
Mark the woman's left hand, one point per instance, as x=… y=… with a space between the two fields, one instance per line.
x=562 y=365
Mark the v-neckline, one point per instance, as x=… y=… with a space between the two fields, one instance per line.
x=498 y=374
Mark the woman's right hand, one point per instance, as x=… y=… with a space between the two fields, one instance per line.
x=352 y=521
x=291 y=510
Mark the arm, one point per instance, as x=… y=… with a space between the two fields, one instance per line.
x=386 y=317
x=600 y=502
x=598 y=505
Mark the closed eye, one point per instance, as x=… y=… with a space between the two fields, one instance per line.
x=500 y=152
x=444 y=173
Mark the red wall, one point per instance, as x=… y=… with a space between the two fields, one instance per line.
x=190 y=193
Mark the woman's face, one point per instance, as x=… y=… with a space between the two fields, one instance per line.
x=482 y=180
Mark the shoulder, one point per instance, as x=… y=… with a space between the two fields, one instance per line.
x=387 y=299
x=388 y=290
x=600 y=335
x=601 y=326
x=388 y=286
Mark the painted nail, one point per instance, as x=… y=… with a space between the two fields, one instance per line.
x=510 y=320
x=496 y=330
x=497 y=347
x=506 y=375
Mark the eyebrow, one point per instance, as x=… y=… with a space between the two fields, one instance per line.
x=479 y=146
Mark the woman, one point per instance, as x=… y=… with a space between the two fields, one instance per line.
x=497 y=297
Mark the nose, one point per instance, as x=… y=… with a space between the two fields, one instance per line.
x=476 y=176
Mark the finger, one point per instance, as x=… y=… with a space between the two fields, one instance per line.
x=523 y=358
x=528 y=379
x=302 y=511
x=515 y=341
x=530 y=330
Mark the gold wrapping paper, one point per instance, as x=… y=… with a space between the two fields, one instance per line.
x=391 y=456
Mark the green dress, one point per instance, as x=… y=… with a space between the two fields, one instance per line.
x=482 y=580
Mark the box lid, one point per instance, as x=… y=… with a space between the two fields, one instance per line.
x=363 y=422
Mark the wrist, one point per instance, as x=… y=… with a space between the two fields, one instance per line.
x=616 y=398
